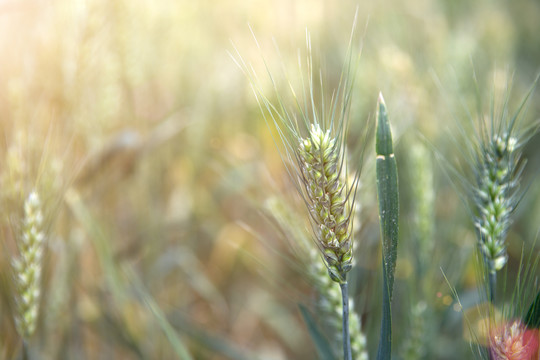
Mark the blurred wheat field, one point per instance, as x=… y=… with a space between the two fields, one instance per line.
x=159 y=177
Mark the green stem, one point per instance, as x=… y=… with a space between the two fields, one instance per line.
x=347 y=355
x=25 y=355
x=384 y=350
x=492 y=285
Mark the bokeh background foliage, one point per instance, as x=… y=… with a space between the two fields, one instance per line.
x=154 y=165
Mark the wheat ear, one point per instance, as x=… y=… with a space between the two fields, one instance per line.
x=498 y=167
x=327 y=195
x=312 y=131
x=27 y=267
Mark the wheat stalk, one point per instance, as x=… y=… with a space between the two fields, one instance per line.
x=422 y=209
x=498 y=167
x=313 y=134
x=330 y=305
x=27 y=267
x=328 y=294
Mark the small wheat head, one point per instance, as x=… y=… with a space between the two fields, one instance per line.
x=327 y=199
x=312 y=125
x=496 y=184
x=498 y=166
x=27 y=267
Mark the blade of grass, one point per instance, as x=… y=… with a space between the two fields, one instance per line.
x=175 y=341
x=211 y=342
x=100 y=241
x=321 y=343
x=387 y=193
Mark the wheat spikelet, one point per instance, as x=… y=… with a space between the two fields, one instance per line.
x=414 y=346
x=497 y=164
x=312 y=131
x=423 y=205
x=418 y=339
x=27 y=267
x=327 y=199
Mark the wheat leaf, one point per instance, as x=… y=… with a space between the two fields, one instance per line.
x=387 y=193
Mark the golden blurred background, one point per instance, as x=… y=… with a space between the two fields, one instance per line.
x=155 y=164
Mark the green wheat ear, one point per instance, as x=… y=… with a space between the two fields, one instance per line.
x=27 y=267
x=498 y=166
x=327 y=199
x=312 y=129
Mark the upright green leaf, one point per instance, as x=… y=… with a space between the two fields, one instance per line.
x=387 y=193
